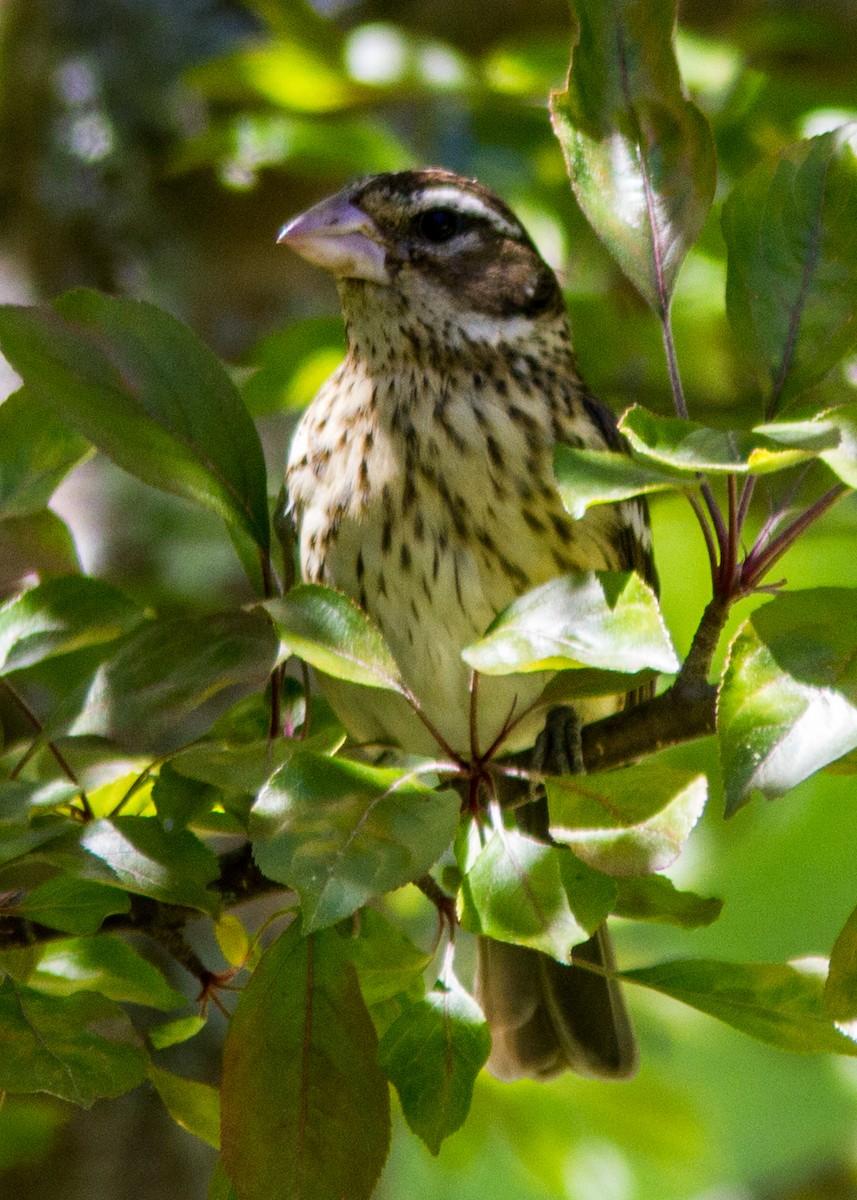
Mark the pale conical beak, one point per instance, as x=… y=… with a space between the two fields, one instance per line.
x=339 y=237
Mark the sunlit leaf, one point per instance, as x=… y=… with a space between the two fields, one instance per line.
x=173 y=1033
x=639 y=154
x=686 y=446
x=832 y=435
x=604 y=619
x=60 y=616
x=778 y=1003
x=79 y=1048
x=137 y=854
x=788 y=699
x=587 y=477
x=301 y=1038
x=432 y=1054
x=329 y=631
x=340 y=832
x=195 y=1106
x=628 y=822
x=140 y=386
x=515 y=892
x=104 y=964
x=791 y=233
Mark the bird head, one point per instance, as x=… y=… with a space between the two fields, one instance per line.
x=433 y=244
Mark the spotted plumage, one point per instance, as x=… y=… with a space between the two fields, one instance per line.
x=421 y=477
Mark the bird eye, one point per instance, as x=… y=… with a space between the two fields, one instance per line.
x=438 y=224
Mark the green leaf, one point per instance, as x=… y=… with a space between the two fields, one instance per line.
x=340 y=833
x=788 y=698
x=388 y=963
x=685 y=446
x=432 y=1054
x=588 y=477
x=639 y=155
x=604 y=619
x=104 y=964
x=173 y=1033
x=627 y=822
x=140 y=386
x=140 y=856
x=174 y=676
x=79 y=1048
x=301 y=1038
x=840 y=991
x=38 y=451
x=778 y=1003
x=38 y=543
x=72 y=905
x=832 y=435
x=60 y=616
x=194 y=1106
x=791 y=288
x=514 y=892
x=655 y=898
x=328 y=630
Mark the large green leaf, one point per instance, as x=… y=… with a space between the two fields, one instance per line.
x=60 y=616
x=788 y=699
x=515 y=891
x=173 y=677
x=340 y=832
x=305 y=1109
x=587 y=477
x=36 y=451
x=639 y=154
x=791 y=291
x=604 y=619
x=628 y=822
x=432 y=1054
x=778 y=1003
x=105 y=964
x=140 y=386
x=140 y=856
x=80 y=1047
x=329 y=631
x=690 y=448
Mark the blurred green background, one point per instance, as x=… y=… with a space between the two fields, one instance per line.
x=153 y=148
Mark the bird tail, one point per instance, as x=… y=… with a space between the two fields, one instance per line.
x=547 y=1017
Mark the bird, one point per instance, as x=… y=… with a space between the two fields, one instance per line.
x=420 y=483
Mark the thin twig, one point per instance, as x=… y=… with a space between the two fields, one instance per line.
x=60 y=758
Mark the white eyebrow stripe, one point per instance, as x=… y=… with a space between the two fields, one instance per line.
x=463 y=202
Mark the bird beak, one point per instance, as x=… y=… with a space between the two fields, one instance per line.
x=339 y=237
